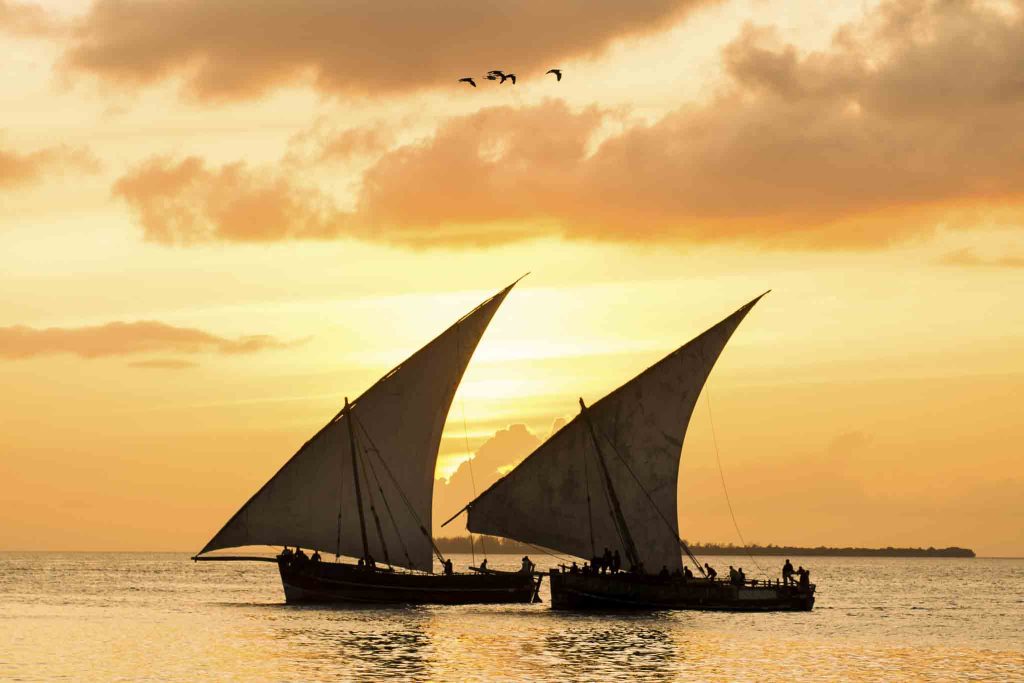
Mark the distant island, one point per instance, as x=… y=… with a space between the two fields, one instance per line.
x=491 y=544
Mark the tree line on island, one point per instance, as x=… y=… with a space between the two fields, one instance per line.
x=498 y=546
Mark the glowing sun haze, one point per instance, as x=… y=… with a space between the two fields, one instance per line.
x=218 y=219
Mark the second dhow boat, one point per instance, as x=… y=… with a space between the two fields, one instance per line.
x=363 y=486
x=608 y=479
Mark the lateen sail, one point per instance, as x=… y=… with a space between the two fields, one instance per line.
x=397 y=424
x=640 y=428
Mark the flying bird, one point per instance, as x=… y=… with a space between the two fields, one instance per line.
x=557 y=72
x=468 y=80
x=495 y=72
x=508 y=76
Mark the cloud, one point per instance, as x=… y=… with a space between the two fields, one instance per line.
x=22 y=19
x=235 y=49
x=966 y=257
x=19 y=169
x=505 y=449
x=184 y=202
x=907 y=120
x=344 y=145
x=164 y=364
x=125 y=338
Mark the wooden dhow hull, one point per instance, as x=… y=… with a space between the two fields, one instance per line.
x=628 y=591
x=336 y=582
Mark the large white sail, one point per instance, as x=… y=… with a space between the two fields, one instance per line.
x=559 y=496
x=396 y=427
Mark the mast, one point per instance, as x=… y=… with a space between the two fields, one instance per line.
x=355 y=478
x=620 y=521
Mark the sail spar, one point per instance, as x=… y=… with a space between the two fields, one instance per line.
x=609 y=477
x=394 y=429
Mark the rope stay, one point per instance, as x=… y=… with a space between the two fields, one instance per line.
x=472 y=481
x=721 y=475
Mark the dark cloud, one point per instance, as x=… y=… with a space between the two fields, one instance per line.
x=234 y=49
x=18 y=169
x=126 y=338
x=903 y=121
x=909 y=119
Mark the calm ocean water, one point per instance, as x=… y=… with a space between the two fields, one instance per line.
x=158 y=616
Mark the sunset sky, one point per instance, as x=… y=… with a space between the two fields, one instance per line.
x=219 y=218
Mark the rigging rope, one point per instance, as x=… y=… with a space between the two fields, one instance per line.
x=373 y=508
x=405 y=499
x=387 y=506
x=472 y=480
x=721 y=474
x=590 y=513
x=682 y=544
x=548 y=552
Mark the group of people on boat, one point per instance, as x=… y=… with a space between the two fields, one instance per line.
x=299 y=556
x=803 y=575
x=609 y=562
x=736 y=576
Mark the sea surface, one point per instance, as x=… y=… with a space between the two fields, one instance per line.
x=159 y=616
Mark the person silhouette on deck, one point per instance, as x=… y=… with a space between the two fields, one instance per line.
x=787 y=573
x=299 y=555
x=527 y=566
x=606 y=560
x=740 y=577
x=316 y=556
x=616 y=561
x=805 y=577
x=574 y=569
x=710 y=571
x=687 y=574
x=663 y=574
x=448 y=571
x=483 y=565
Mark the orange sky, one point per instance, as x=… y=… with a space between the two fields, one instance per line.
x=219 y=219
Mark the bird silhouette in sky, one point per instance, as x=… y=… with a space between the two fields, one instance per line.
x=511 y=77
x=469 y=80
x=495 y=74
x=557 y=73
